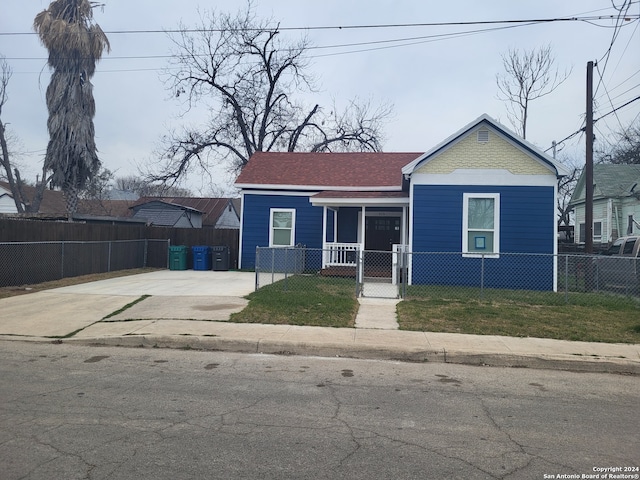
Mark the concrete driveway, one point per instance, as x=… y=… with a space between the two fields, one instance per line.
x=186 y=295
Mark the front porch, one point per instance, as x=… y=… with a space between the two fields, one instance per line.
x=363 y=234
x=352 y=261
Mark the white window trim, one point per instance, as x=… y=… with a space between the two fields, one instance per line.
x=465 y=225
x=293 y=226
x=596 y=238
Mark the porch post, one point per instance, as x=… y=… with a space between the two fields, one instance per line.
x=324 y=236
x=404 y=225
x=324 y=227
x=363 y=225
x=360 y=265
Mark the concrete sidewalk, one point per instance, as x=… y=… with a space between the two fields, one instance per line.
x=190 y=310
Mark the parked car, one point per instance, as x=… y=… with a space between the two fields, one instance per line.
x=621 y=268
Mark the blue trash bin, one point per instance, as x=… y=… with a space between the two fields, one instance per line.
x=201 y=257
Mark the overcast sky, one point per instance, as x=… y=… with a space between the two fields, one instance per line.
x=436 y=86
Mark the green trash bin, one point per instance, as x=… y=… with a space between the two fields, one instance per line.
x=178 y=257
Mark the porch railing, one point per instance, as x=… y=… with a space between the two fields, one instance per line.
x=341 y=254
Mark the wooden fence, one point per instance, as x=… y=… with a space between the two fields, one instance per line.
x=33 y=257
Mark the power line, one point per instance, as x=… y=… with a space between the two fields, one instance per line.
x=413 y=40
x=621 y=18
x=618 y=108
x=609 y=97
x=362 y=27
x=577 y=132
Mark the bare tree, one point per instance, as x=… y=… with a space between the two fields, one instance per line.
x=566 y=186
x=625 y=149
x=144 y=188
x=5 y=76
x=529 y=75
x=247 y=73
x=75 y=45
x=12 y=174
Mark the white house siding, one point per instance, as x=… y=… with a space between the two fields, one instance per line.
x=228 y=219
x=7 y=205
x=629 y=206
x=603 y=211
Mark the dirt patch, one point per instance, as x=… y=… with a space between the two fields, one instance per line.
x=215 y=307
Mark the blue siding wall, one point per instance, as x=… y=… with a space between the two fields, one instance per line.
x=527 y=216
x=255 y=227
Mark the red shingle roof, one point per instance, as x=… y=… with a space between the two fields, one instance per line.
x=365 y=170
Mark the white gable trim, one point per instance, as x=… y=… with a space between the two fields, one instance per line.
x=528 y=148
x=483 y=177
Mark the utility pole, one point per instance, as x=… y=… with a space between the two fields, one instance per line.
x=588 y=214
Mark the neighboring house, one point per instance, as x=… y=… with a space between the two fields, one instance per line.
x=482 y=192
x=216 y=212
x=616 y=203
x=162 y=214
x=54 y=207
x=7 y=204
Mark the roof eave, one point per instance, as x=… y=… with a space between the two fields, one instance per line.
x=341 y=202
x=315 y=188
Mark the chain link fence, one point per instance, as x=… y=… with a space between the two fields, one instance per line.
x=25 y=263
x=401 y=274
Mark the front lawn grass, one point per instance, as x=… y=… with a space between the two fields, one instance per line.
x=331 y=302
x=589 y=317
x=303 y=300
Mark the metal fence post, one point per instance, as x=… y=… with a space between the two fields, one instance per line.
x=482 y=277
x=273 y=265
x=405 y=272
x=62 y=260
x=257 y=286
x=109 y=258
x=566 y=279
x=286 y=270
x=146 y=253
x=358 y=274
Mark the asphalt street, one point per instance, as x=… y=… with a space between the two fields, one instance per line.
x=76 y=412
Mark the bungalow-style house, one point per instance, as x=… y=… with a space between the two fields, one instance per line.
x=616 y=203
x=213 y=212
x=480 y=194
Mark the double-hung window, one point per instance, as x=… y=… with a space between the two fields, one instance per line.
x=597 y=231
x=481 y=224
x=282 y=223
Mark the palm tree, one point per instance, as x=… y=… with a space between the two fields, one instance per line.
x=75 y=44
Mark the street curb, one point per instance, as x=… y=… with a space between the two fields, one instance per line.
x=593 y=364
